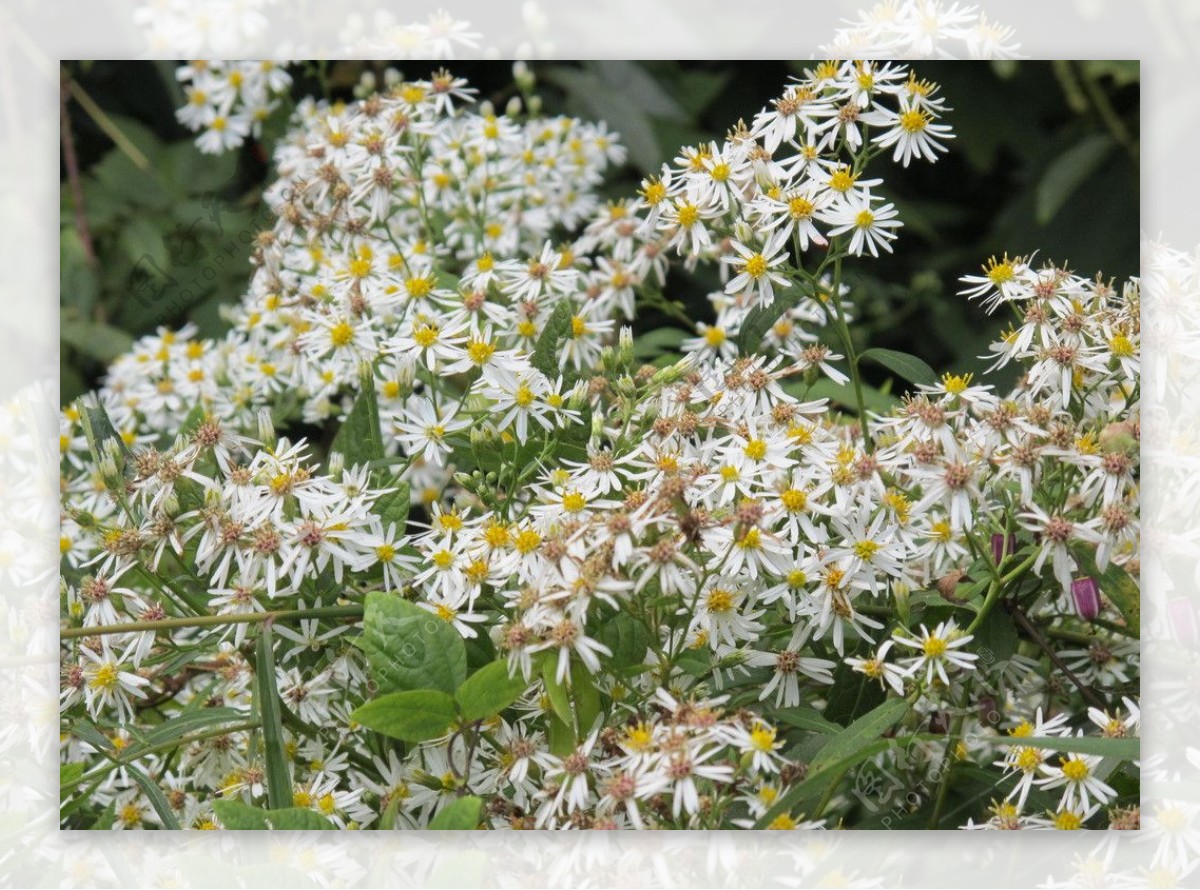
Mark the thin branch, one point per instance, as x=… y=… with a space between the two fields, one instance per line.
x=1034 y=634
x=71 y=161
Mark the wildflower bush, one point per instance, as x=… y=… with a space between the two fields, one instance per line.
x=429 y=539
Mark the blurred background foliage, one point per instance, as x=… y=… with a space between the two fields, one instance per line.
x=1045 y=159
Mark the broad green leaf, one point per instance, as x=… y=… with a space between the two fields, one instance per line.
x=489 y=691
x=279 y=780
x=557 y=692
x=599 y=100
x=633 y=80
x=1069 y=171
x=586 y=697
x=559 y=736
x=412 y=716
x=76 y=281
x=858 y=741
x=558 y=326
x=98 y=428
x=461 y=814
x=154 y=794
x=410 y=648
x=69 y=774
x=843 y=394
x=860 y=733
x=626 y=637
x=393 y=507
x=1120 y=749
x=359 y=438
x=907 y=366
x=995 y=639
x=237 y=816
x=805 y=718
x=762 y=318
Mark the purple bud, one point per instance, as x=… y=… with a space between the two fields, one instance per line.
x=1002 y=547
x=939 y=722
x=1087 y=598
x=989 y=713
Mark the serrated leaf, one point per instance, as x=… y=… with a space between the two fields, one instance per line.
x=558 y=325
x=279 y=780
x=410 y=648
x=412 y=716
x=911 y=368
x=237 y=816
x=489 y=691
x=461 y=814
x=1068 y=172
x=359 y=438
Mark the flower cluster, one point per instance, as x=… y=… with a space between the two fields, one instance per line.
x=638 y=594
x=229 y=101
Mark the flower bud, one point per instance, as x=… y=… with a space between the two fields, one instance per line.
x=266 y=429
x=513 y=108
x=1086 y=594
x=625 y=346
x=337 y=463
x=535 y=104
x=1003 y=547
x=487 y=109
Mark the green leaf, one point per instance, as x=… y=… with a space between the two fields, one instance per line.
x=996 y=638
x=1119 y=749
x=489 y=691
x=558 y=326
x=154 y=794
x=237 y=816
x=559 y=736
x=635 y=82
x=180 y=724
x=393 y=507
x=77 y=285
x=69 y=773
x=1069 y=171
x=412 y=716
x=279 y=781
x=1116 y=584
x=141 y=239
x=192 y=421
x=461 y=814
x=359 y=438
x=410 y=648
x=600 y=100
x=586 y=697
x=557 y=692
x=626 y=637
x=806 y=718
x=860 y=733
x=843 y=394
x=907 y=366
x=762 y=318
x=858 y=741
x=98 y=428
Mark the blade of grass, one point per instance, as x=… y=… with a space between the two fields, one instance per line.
x=279 y=783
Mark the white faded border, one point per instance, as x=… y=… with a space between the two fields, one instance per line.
x=1164 y=34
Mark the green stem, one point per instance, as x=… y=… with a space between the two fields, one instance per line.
x=212 y=620
x=851 y=354
x=944 y=783
x=105 y=123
